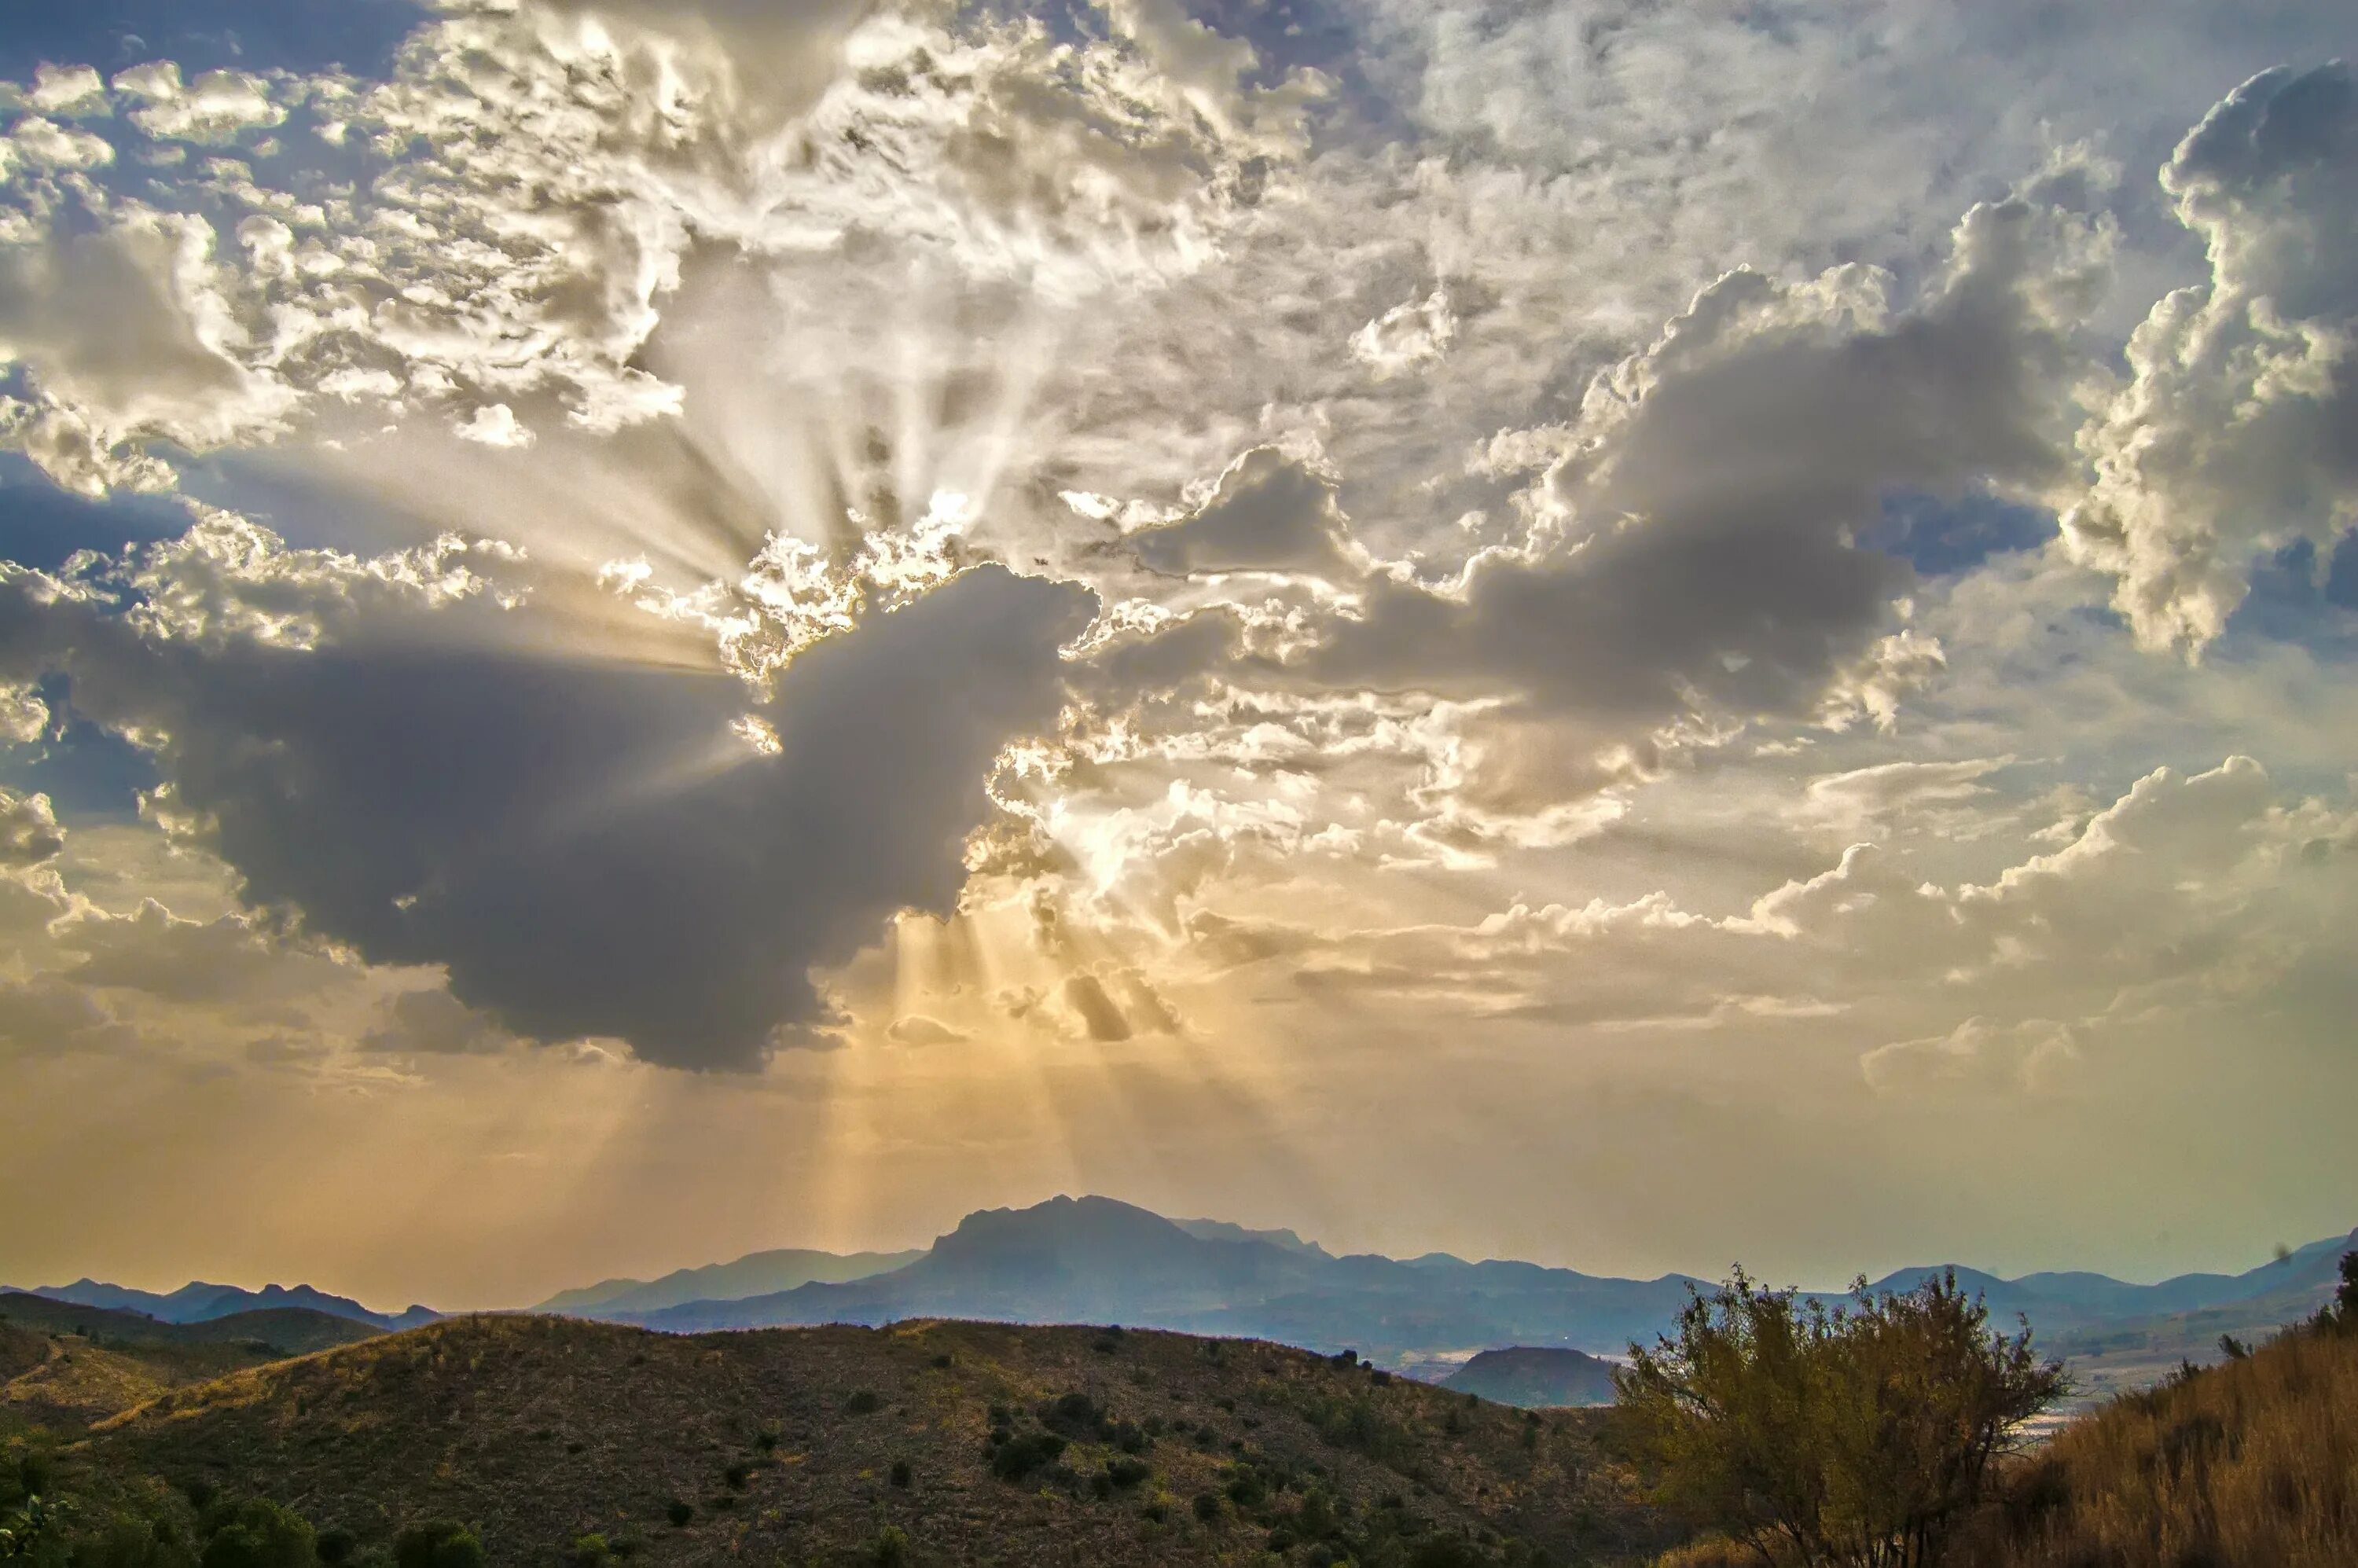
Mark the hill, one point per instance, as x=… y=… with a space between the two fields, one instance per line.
x=2254 y=1462
x=197 y=1302
x=755 y=1274
x=63 y=1365
x=1535 y=1377
x=980 y=1443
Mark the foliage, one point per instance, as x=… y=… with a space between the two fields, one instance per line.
x=260 y=1534
x=2253 y=1462
x=437 y=1543
x=1855 y=1435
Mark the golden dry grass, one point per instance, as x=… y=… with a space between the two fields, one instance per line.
x=2250 y=1464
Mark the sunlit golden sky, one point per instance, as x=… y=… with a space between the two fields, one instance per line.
x=1635 y=635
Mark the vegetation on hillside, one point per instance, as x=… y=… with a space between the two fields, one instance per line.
x=2252 y=1463
x=1854 y=1436
x=572 y=1445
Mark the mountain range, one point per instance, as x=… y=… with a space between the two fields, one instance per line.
x=1093 y=1260
x=197 y=1302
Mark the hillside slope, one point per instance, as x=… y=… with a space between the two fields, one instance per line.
x=2253 y=1464
x=63 y=1365
x=1116 y=1448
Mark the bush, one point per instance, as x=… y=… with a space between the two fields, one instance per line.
x=335 y=1545
x=891 y=1549
x=738 y=1475
x=258 y=1535
x=588 y=1551
x=1019 y=1456
x=1208 y=1506
x=437 y=1543
x=864 y=1402
x=677 y=1510
x=1128 y=1472
x=1857 y=1435
x=902 y=1475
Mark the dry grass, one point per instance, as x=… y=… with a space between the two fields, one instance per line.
x=2250 y=1464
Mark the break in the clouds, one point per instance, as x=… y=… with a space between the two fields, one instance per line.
x=1336 y=555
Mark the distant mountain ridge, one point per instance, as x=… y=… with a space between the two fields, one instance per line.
x=1093 y=1260
x=756 y=1274
x=198 y=1302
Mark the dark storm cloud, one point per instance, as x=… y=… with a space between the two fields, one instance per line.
x=585 y=846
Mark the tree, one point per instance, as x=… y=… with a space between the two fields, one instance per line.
x=1851 y=1436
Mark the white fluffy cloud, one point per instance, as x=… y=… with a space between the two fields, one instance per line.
x=2238 y=434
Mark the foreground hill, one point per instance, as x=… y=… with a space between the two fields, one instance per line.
x=2253 y=1464
x=1535 y=1377
x=64 y=1365
x=980 y=1443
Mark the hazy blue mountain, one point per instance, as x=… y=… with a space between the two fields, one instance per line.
x=755 y=1274
x=1221 y=1231
x=1535 y=1377
x=1095 y=1260
x=198 y=1302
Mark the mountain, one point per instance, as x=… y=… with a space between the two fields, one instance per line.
x=756 y=1274
x=64 y=1365
x=1221 y=1231
x=1535 y=1377
x=197 y=1302
x=1093 y=1260
x=971 y=1442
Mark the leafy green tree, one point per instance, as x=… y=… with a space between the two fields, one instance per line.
x=1845 y=1436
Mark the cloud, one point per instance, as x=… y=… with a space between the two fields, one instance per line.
x=916 y=1028
x=2238 y=434
x=1695 y=555
x=584 y=845
x=2034 y=1057
x=1908 y=793
x=436 y=1022
x=1267 y=511
x=29 y=833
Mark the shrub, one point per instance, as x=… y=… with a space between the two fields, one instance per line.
x=1128 y=1472
x=258 y=1535
x=1857 y=1435
x=1019 y=1456
x=944 y=1361
x=335 y=1545
x=678 y=1510
x=738 y=1475
x=766 y=1440
x=902 y=1475
x=588 y=1551
x=891 y=1549
x=864 y=1402
x=1208 y=1506
x=437 y=1543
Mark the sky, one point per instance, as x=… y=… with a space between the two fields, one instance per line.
x=1636 y=633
